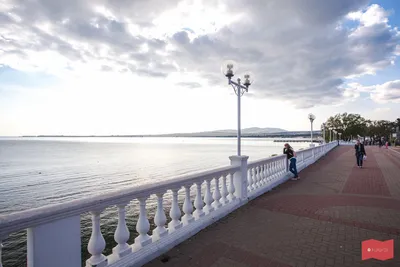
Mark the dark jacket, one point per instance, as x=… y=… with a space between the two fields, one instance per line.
x=361 y=150
x=289 y=152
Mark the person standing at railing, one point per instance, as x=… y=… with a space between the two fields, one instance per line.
x=360 y=153
x=291 y=156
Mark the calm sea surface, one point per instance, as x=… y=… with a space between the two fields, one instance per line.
x=39 y=171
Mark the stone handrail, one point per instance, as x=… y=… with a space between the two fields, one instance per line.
x=54 y=234
x=24 y=219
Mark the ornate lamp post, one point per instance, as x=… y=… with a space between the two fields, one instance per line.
x=229 y=68
x=311 y=117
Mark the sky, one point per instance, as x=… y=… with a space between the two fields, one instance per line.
x=104 y=67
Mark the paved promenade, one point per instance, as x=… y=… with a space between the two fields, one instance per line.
x=317 y=221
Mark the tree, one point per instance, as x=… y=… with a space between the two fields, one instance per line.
x=354 y=125
x=349 y=125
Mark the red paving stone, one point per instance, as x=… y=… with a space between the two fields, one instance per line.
x=304 y=223
x=368 y=180
x=219 y=250
x=308 y=205
x=393 y=157
x=325 y=160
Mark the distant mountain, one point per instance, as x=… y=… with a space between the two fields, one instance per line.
x=246 y=132
x=229 y=132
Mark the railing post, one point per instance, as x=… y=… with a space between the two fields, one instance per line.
x=240 y=177
x=56 y=243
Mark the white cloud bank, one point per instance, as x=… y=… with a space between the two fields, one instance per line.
x=387 y=92
x=300 y=50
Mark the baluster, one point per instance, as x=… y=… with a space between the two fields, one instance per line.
x=121 y=235
x=142 y=226
x=224 y=191
x=174 y=213
x=198 y=202
x=216 y=195
x=250 y=177
x=160 y=219
x=266 y=173
x=269 y=172
x=187 y=207
x=254 y=178
x=208 y=198
x=231 y=188
x=249 y=181
x=283 y=170
x=281 y=167
x=258 y=176
x=96 y=243
x=262 y=171
x=274 y=171
x=278 y=169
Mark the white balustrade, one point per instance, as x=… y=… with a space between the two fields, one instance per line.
x=239 y=182
x=121 y=235
x=160 y=219
x=142 y=226
x=187 y=207
x=198 y=203
x=96 y=243
x=174 y=213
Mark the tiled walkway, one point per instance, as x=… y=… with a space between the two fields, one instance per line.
x=317 y=221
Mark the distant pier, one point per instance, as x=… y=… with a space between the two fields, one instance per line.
x=297 y=140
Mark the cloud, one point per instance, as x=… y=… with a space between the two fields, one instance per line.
x=382 y=110
x=387 y=92
x=295 y=47
x=191 y=85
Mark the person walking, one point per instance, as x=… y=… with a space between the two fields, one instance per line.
x=360 y=153
x=291 y=156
